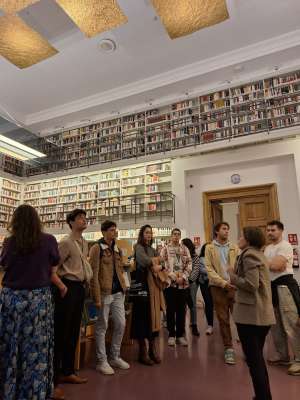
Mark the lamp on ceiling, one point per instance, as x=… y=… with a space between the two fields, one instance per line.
x=183 y=17
x=18 y=150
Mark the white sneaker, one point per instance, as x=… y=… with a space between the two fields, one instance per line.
x=182 y=341
x=209 y=330
x=119 y=363
x=105 y=368
x=171 y=341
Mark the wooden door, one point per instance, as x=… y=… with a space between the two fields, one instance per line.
x=255 y=211
x=257 y=205
x=217 y=212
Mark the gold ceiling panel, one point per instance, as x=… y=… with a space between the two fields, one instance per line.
x=94 y=16
x=183 y=17
x=20 y=44
x=13 y=6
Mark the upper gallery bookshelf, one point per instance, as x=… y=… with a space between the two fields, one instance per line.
x=10 y=198
x=125 y=194
x=259 y=106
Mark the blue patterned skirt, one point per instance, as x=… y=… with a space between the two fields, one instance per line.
x=26 y=344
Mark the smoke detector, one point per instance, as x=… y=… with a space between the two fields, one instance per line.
x=107 y=46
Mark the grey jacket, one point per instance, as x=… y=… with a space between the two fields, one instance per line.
x=253 y=301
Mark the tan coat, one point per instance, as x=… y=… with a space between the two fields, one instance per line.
x=157 y=301
x=253 y=300
x=103 y=270
x=213 y=264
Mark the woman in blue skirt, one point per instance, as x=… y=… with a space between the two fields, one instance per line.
x=29 y=258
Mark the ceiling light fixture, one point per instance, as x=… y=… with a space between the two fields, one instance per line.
x=20 y=44
x=94 y=16
x=18 y=150
x=107 y=45
x=183 y=17
x=13 y=6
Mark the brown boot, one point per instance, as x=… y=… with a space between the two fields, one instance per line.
x=57 y=394
x=153 y=351
x=143 y=354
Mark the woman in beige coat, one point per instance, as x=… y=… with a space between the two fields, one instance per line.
x=253 y=310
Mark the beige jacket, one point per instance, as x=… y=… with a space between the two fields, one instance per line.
x=213 y=264
x=253 y=300
x=70 y=265
x=103 y=270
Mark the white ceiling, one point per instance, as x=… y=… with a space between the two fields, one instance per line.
x=82 y=83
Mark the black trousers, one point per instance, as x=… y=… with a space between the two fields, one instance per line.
x=176 y=300
x=67 y=321
x=253 y=338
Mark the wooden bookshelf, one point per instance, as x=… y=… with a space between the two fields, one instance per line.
x=263 y=105
x=142 y=190
x=10 y=199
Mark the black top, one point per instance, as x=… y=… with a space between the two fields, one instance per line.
x=29 y=271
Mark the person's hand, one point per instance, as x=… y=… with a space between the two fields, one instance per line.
x=63 y=290
x=156 y=268
x=229 y=286
x=98 y=305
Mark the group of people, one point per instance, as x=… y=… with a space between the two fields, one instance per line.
x=256 y=284
x=45 y=285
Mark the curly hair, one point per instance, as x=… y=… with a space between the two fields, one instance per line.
x=26 y=228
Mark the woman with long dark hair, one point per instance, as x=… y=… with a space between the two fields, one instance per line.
x=29 y=258
x=146 y=313
x=198 y=278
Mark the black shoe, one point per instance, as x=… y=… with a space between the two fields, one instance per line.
x=195 y=331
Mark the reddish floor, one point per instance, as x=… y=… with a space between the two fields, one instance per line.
x=186 y=373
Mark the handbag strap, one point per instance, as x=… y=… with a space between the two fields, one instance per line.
x=82 y=259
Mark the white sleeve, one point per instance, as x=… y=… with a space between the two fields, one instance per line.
x=286 y=251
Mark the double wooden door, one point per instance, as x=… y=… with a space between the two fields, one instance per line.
x=257 y=206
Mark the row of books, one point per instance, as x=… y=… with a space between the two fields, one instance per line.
x=174 y=120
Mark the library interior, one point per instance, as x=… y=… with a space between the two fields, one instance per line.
x=149 y=199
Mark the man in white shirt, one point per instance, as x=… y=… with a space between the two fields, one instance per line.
x=286 y=298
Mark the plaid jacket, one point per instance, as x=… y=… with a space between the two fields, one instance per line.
x=168 y=254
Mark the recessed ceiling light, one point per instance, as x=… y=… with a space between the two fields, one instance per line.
x=107 y=46
x=276 y=68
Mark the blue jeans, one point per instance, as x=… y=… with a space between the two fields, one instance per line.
x=113 y=304
x=209 y=309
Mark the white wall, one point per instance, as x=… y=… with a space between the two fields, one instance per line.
x=279 y=170
x=269 y=163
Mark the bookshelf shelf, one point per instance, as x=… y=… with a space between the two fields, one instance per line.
x=118 y=193
x=190 y=122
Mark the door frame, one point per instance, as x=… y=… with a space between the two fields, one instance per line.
x=235 y=194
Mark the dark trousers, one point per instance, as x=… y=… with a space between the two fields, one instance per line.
x=208 y=302
x=176 y=300
x=253 y=338
x=67 y=321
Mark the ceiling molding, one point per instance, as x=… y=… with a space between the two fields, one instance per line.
x=270 y=46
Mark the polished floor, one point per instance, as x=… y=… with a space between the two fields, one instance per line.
x=196 y=372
